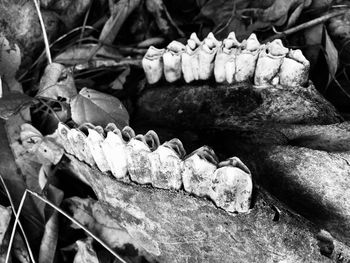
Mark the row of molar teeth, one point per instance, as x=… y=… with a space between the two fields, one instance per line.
x=229 y=61
x=142 y=159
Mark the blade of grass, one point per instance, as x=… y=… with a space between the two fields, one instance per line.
x=15 y=226
x=46 y=40
x=19 y=222
x=77 y=223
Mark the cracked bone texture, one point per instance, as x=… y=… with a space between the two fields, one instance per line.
x=228 y=61
x=164 y=166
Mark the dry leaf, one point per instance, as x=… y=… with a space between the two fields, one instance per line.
x=118 y=83
x=331 y=55
x=90 y=213
x=43 y=149
x=79 y=54
x=57 y=81
x=19 y=249
x=98 y=108
x=5 y=218
x=10 y=60
x=85 y=252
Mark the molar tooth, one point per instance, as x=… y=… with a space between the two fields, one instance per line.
x=94 y=142
x=114 y=149
x=172 y=61
x=206 y=56
x=232 y=186
x=167 y=165
x=189 y=59
x=77 y=140
x=294 y=70
x=199 y=168
x=138 y=160
x=269 y=62
x=152 y=64
x=246 y=59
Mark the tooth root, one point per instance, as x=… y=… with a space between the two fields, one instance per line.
x=232 y=187
x=167 y=165
x=269 y=62
x=189 y=59
x=172 y=61
x=294 y=70
x=206 y=56
x=138 y=160
x=114 y=149
x=199 y=168
x=246 y=59
x=152 y=64
x=94 y=142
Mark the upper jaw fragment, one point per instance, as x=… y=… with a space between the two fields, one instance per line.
x=269 y=63
x=189 y=59
x=294 y=69
x=152 y=64
x=232 y=186
x=172 y=61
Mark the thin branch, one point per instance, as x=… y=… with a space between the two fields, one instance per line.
x=46 y=40
x=308 y=24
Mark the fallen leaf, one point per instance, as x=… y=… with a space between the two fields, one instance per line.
x=19 y=249
x=10 y=60
x=331 y=55
x=57 y=81
x=44 y=150
x=118 y=83
x=98 y=108
x=5 y=218
x=90 y=213
x=85 y=252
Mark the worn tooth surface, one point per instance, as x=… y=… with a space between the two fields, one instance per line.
x=138 y=160
x=63 y=131
x=246 y=59
x=152 y=64
x=81 y=151
x=94 y=142
x=114 y=149
x=172 y=61
x=199 y=168
x=232 y=186
x=167 y=165
x=294 y=70
x=206 y=56
x=269 y=63
x=189 y=59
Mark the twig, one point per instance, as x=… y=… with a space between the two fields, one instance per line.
x=308 y=24
x=19 y=223
x=46 y=40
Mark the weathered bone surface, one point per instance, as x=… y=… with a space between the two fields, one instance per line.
x=229 y=185
x=228 y=61
x=209 y=105
x=172 y=226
